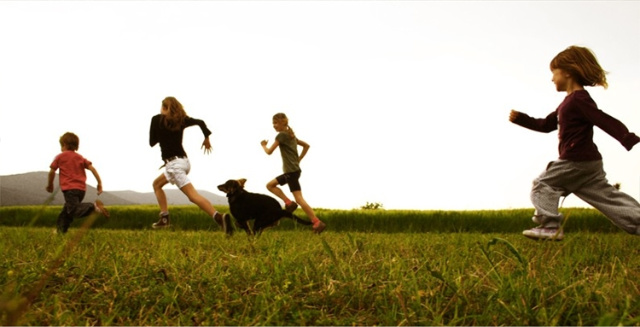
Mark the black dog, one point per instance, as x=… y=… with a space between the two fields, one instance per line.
x=245 y=206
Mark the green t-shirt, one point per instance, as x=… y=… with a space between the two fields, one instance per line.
x=289 y=152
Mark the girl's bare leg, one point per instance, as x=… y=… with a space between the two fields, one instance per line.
x=318 y=225
x=198 y=199
x=224 y=220
x=158 y=184
x=304 y=205
x=272 y=186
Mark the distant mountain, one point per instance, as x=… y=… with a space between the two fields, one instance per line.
x=29 y=189
x=174 y=197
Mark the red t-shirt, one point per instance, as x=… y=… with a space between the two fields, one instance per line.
x=72 y=170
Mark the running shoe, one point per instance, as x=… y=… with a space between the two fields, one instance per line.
x=163 y=222
x=541 y=233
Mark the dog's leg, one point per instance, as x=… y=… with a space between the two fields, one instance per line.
x=243 y=224
x=294 y=217
x=258 y=226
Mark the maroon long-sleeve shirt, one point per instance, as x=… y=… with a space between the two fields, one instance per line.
x=574 y=119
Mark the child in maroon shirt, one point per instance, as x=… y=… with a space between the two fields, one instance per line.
x=579 y=169
x=73 y=183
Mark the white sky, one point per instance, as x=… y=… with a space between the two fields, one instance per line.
x=404 y=103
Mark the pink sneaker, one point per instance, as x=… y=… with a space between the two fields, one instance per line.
x=291 y=207
x=318 y=227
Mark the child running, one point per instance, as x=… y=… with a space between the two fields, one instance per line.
x=579 y=169
x=167 y=129
x=288 y=143
x=72 y=179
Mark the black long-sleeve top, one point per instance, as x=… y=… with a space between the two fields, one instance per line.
x=574 y=119
x=171 y=141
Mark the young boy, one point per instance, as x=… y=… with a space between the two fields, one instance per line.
x=73 y=182
x=579 y=167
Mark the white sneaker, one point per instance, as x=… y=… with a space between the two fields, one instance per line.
x=541 y=233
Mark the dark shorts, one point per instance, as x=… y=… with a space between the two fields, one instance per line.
x=292 y=179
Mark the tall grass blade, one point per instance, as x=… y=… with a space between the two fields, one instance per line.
x=438 y=275
x=516 y=253
x=329 y=251
x=493 y=266
x=44 y=205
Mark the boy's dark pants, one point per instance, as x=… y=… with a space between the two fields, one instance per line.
x=73 y=208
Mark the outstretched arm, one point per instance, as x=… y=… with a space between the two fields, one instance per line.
x=273 y=147
x=611 y=126
x=305 y=147
x=543 y=125
x=97 y=176
x=206 y=144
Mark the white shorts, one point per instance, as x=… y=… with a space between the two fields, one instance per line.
x=176 y=172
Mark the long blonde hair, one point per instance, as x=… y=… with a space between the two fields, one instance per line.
x=283 y=118
x=582 y=65
x=174 y=119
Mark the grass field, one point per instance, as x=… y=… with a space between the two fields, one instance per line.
x=377 y=267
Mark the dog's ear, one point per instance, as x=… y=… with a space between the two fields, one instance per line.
x=242 y=181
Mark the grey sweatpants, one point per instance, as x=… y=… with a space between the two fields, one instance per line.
x=585 y=179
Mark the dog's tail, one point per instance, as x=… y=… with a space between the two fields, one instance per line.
x=296 y=218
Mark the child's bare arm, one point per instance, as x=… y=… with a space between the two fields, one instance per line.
x=273 y=147
x=97 y=176
x=50 y=178
x=305 y=147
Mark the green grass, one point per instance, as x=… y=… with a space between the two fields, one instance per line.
x=445 y=268
x=380 y=221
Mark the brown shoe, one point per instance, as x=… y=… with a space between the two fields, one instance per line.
x=224 y=220
x=101 y=209
x=291 y=207
x=162 y=222
x=318 y=227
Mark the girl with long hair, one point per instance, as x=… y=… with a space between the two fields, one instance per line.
x=167 y=128
x=288 y=143
x=579 y=168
